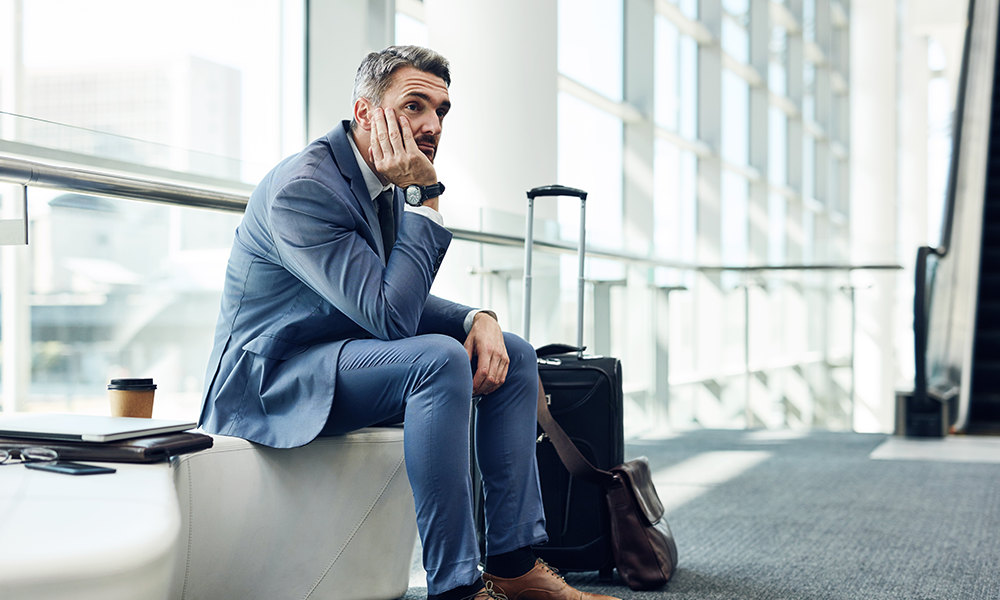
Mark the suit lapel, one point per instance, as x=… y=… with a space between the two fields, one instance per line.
x=343 y=154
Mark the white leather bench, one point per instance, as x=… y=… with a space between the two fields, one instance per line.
x=99 y=537
x=331 y=520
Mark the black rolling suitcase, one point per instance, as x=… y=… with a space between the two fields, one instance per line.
x=584 y=394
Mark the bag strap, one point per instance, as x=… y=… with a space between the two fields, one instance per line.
x=568 y=453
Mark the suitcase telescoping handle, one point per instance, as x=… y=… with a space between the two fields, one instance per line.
x=555 y=190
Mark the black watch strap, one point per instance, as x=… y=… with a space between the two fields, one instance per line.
x=431 y=191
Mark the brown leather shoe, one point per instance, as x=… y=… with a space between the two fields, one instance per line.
x=540 y=583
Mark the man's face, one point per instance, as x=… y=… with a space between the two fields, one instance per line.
x=423 y=99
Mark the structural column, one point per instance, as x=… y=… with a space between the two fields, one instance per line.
x=873 y=206
x=500 y=138
x=340 y=33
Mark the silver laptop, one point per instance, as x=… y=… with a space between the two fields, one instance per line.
x=85 y=428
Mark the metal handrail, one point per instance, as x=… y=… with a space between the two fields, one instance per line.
x=32 y=173
x=923 y=289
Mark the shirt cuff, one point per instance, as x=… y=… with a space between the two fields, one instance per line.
x=428 y=212
x=472 y=315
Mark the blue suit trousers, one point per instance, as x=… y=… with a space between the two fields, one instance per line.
x=425 y=382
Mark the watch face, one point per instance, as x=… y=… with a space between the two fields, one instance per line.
x=413 y=196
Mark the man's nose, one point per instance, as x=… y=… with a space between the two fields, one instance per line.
x=430 y=125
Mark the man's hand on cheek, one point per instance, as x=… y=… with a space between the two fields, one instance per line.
x=395 y=153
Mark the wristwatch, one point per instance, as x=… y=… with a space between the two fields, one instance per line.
x=416 y=194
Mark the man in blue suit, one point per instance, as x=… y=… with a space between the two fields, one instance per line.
x=327 y=325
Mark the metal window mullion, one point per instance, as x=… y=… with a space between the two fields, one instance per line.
x=760 y=104
x=796 y=54
x=709 y=234
x=843 y=133
x=824 y=104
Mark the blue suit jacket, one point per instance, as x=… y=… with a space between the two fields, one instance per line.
x=306 y=275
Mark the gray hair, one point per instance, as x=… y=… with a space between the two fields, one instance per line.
x=375 y=73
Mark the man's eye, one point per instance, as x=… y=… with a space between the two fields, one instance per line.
x=411 y=106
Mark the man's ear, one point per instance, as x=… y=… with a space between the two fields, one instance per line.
x=363 y=113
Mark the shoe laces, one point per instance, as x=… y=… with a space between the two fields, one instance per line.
x=551 y=569
x=487 y=592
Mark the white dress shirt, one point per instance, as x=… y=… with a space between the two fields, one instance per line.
x=375 y=188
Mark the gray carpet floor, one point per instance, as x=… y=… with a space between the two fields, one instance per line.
x=769 y=516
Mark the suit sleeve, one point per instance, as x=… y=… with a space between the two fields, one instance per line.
x=320 y=237
x=444 y=316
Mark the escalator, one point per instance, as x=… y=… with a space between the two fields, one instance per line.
x=956 y=321
x=984 y=401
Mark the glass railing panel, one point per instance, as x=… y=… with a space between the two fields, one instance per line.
x=119 y=288
x=50 y=141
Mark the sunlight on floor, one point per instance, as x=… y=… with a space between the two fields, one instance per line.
x=687 y=480
x=950 y=449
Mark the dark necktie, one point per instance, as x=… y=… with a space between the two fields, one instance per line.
x=386 y=221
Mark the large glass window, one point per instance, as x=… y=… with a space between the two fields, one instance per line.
x=735 y=118
x=809 y=20
x=809 y=91
x=591 y=44
x=808 y=236
x=410 y=32
x=777 y=140
x=118 y=288
x=209 y=93
x=675 y=203
x=203 y=83
x=121 y=288
x=667 y=79
x=808 y=166
x=689 y=87
x=777 y=77
x=777 y=209
x=735 y=38
x=735 y=219
x=689 y=8
x=939 y=144
x=590 y=158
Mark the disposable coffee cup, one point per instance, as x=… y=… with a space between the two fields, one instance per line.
x=131 y=397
